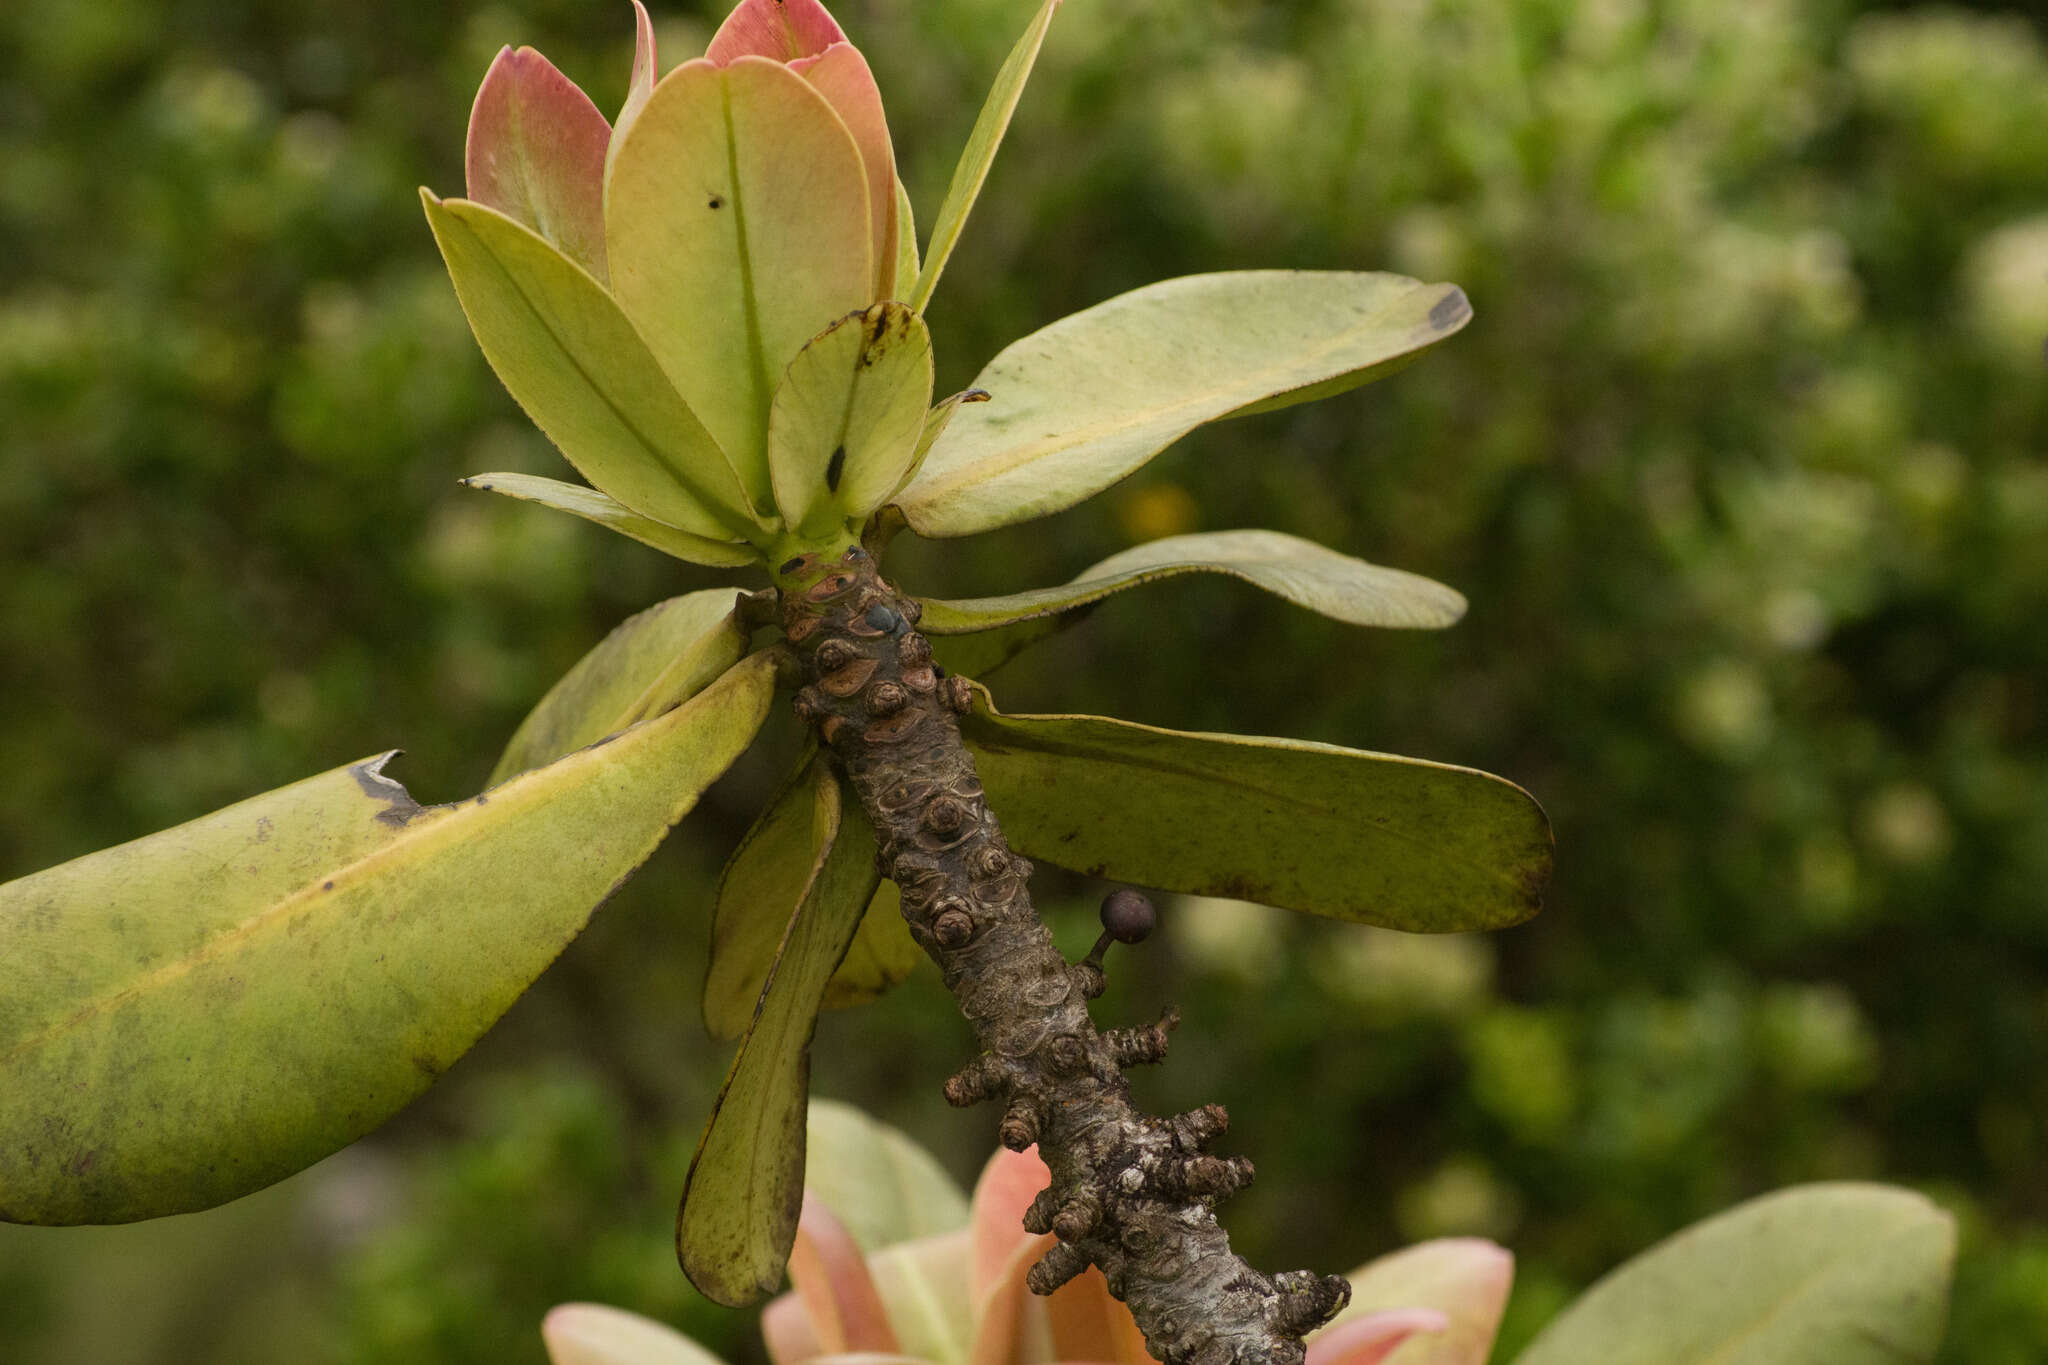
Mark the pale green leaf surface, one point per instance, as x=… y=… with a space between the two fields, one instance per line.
x=935 y=423
x=928 y=1288
x=846 y=418
x=1836 y=1274
x=906 y=244
x=614 y=515
x=568 y=355
x=980 y=153
x=1078 y=405
x=1465 y=1278
x=983 y=652
x=736 y=213
x=597 y=1334
x=1301 y=571
x=1372 y=838
x=884 y=1187
x=745 y=1188
x=651 y=661
x=197 y=1014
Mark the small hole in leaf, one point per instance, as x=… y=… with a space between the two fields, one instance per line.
x=717 y=202
x=835 y=469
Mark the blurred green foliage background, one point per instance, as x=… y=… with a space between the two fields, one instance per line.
x=1741 y=463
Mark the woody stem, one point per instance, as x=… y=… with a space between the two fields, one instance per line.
x=1130 y=1193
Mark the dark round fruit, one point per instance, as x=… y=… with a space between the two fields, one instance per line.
x=1128 y=916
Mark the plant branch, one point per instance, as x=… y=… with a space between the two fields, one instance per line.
x=1130 y=1193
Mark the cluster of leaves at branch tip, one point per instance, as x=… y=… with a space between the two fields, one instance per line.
x=714 y=306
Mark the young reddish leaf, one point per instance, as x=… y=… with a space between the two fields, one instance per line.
x=536 y=153
x=646 y=70
x=595 y=1334
x=780 y=30
x=831 y=1276
x=841 y=75
x=737 y=216
x=1464 y=1279
x=1372 y=1337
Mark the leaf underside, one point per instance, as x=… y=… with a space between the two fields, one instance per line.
x=604 y=510
x=1832 y=1274
x=197 y=1014
x=1371 y=838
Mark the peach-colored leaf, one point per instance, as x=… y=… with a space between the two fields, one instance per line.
x=787 y=1331
x=646 y=70
x=1010 y=1322
x=831 y=1275
x=738 y=224
x=1464 y=1278
x=536 y=153
x=1089 y=1324
x=1008 y=1184
x=594 y=1334
x=841 y=75
x=1372 y=1338
x=926 y=1286
x=780 y=30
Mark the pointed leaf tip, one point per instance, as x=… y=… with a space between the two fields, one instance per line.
x=646 y=70
x=536 y=153
x=780 y=30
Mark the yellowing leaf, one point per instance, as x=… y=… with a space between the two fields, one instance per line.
x=1358 y=836
x=847 y=416
x=1078 y=405
x=736 y=213
x=613 y=515
x=980 y=153
x=194 y=1015
x=573 y=361
x=745 y=1188
x=1304 y=573
x=1837 y=1274
x=651 y=661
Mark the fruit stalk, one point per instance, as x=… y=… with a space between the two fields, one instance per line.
x=1132 y=1194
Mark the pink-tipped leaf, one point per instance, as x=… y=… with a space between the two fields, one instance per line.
x=831 y=1276
x=536 y=153
x=781 y=30
x=1465 y=1279
x=1372 y=1338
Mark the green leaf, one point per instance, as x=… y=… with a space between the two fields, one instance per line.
x=1304 y=573
x=197 y=1014
x=982 y=653
x=1837 y=1274
x=763 y=882
x=572 y=360
x=883 y=952
x=613 y=515
x=651 y=661
x=1367 y=837
x=1080 y=404
x=847 y=416
x=737 y=218
x=740 y=1203
x=972 y=171
x=906 y=243
x=884 y=1187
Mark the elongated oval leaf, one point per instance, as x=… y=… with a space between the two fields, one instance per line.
x=906 y=245
x=1464 y=1278
x=651 y=661
x=736 y=214
x=194 y=1015
x=846 y=419
x=763 y=882
x=614 y=515
x=980 y=154
x=536 y=153
x=1301 y=571
x=1367 y=837
x=594 y=1334
x=745 y=1188
x=1080 y=404
x=883 y=1186
x=1838 y=1274
x=572 y=360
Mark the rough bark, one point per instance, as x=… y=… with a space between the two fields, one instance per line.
x=1130 y=1193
